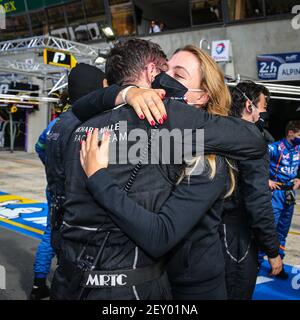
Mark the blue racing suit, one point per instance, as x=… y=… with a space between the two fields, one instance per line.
x=284 y=165
x=45 y=252
x=40 y=145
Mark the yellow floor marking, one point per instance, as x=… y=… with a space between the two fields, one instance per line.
x=8 y=197
x=16 y=224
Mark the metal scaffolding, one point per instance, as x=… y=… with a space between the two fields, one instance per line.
x=9 y=65
x=278 y=91
x=14 y=67
x=41 y=42
x=36 y=69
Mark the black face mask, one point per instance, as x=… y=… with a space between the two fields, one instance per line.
x=172 y=87
x=261 y=122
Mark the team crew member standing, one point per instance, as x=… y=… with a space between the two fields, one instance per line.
x=248 y=220
x=82 y=80
x=284 y=167
x=93 y=234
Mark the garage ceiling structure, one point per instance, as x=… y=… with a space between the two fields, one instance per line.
x=21 y=61
x=16 y=63
x=278 y=91
x=10 y=51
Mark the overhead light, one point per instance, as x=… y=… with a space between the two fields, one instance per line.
x=100 y=60
x=108 y=32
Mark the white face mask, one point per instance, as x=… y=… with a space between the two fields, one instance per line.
x=196 y=90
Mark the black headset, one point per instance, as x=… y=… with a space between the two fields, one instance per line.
x=246 y=98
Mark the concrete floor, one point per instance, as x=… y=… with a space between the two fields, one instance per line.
x=17 y=256
x=23 y=174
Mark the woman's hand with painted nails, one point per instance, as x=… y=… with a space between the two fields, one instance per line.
x=148 y=104
x=93 y=157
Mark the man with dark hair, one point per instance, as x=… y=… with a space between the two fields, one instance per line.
x=257 y=93
x=127 y=61
x=98 y=261
x=241 y=107
x=284 y=167
x=248 y=220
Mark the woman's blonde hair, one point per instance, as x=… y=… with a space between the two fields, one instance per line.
x=219 y=103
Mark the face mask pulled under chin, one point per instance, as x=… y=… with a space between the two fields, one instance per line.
x=261 y=122
x=172 y=87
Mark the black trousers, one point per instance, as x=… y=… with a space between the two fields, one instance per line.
x=214 y=289
x=241 y=260
x=66 y=282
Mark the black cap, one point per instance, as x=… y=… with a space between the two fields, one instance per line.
x=84 y=79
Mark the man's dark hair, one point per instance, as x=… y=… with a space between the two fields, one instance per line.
x=128 y=58
x=293 y=126
x=251 y=90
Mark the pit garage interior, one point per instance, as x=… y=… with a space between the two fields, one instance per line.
x=283 y=107
x=30 y=84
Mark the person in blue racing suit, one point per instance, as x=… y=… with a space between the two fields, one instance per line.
x=40 y=146
x=45 y=252
x=284 y=167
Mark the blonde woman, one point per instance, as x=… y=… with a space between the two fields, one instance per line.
x=185 y=229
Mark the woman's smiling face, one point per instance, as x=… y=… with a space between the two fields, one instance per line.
x=184 y=66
